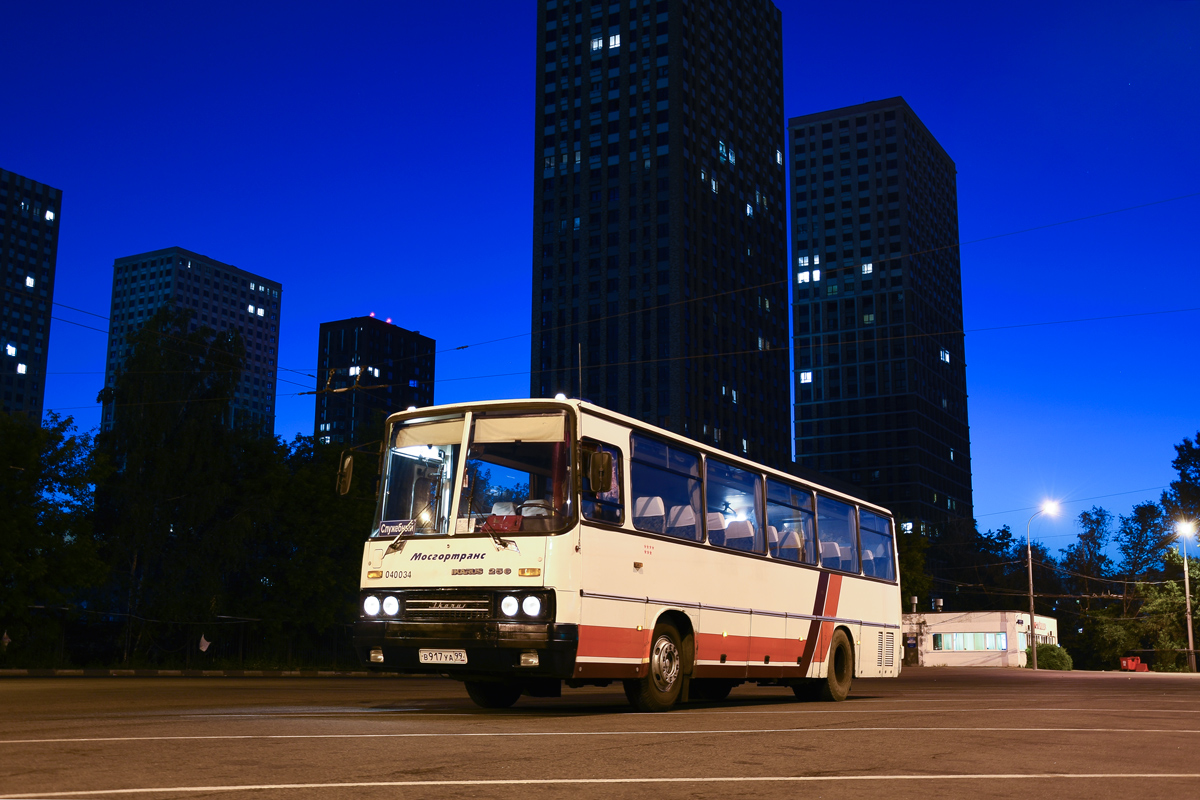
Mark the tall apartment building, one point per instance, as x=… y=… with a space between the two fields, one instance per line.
x=383 y=368
x=30 y=213
x=659 y=216
x=881 y=387
x=219 y=296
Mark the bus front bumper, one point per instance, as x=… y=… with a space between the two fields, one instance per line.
x=492 y=649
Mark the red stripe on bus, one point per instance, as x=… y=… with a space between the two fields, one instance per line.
x=606 y=642
x=810 y=642
x=831 y=606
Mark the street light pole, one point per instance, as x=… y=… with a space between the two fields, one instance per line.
x=1185 y=530
x=1051 y=508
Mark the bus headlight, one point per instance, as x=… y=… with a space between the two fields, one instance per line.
x=532 y=605
x=371 y=605
x=509 y=606
x=391 y=606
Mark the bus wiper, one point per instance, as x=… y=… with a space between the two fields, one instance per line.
x=501 y=544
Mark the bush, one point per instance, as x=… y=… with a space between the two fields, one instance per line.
x=1050 y=656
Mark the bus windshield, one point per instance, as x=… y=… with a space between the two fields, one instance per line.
x=516 y=476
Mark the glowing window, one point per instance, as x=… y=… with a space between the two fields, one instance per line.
x=868 y=268
x=11 y=349
x=614 y=40
x=715 y=186
x=354 y=370
x=49 y=216
x=802 y=261
x=778 y=157
x=20 y=369
x=250 y=309
x=29 y=281
x=597 y=43
x=945 y=356
x=816 y=275
x=806 y=376
x=803 y=277
x=749 y=210
x=259 y=312
x=817 y=259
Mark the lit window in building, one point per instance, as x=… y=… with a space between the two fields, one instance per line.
x=715 y=186
x=20 y=369
x=259 y=312
x=801 y=261
x=817 y=259
x=868 y=319
x=803 y=277
x=597 y=43
x=49 y=215
x=353 y=371
x=614 y=40
x=806 y=376
x=250 y=309
x=816 y=275
x=945 y=355
x=778 y=157
x=749 y=210
x=11 y=349
x=29 y=281
x=868 y=268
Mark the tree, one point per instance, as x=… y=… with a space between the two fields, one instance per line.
x=47 y=552
x=1182 y=500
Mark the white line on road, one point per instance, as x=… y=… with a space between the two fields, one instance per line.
x=511 y=734
x=593 y=781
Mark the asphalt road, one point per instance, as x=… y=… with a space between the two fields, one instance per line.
x=934 y=732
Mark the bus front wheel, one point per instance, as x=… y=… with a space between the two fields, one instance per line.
x=660 y=689
x=491 y=694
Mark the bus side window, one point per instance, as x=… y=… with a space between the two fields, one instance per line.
x=875 y=533
x=836 y=529
x=665 y=481
x=790 y=534
x=603 y=506
x=733 y=495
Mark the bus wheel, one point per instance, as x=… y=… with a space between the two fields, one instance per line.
x=836 y=685
x=659 y=690
x=709 y=689
x=491 y=694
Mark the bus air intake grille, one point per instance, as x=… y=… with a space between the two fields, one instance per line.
x=444 y=606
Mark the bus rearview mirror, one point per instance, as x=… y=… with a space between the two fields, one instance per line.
x=600 y=471
x=345 y=473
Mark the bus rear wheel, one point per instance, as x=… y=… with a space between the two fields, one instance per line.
x=493 y=694
x=659 y=690
x=836 y=686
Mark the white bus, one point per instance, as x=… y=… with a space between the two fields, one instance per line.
x=521 y=545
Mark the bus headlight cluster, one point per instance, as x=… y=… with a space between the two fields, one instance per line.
x=530 y=605
x=372 y=605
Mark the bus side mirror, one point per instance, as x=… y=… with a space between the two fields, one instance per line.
x=600 y=471
x=345 y=473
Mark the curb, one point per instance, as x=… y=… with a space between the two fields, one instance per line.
x=187 y=673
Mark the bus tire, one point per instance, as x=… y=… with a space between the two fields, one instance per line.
x=493 y=694
x=840 y=673
x=709 y=689
x=660 y=689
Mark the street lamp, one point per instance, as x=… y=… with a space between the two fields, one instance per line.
x=1186 y=529
x=1050 y=508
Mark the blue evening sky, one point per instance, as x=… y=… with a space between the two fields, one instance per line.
x=381 y=157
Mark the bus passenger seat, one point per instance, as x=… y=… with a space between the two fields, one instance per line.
x=868 y=562
x=649 y=514
x=681 y=522
x=792 y=546
x=716 y=527
x=739 y=534
x=773 y=540
x=831 y=555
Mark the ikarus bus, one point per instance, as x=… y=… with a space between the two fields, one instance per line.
x=522 y=545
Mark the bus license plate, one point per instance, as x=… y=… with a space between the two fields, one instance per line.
x=442 y=656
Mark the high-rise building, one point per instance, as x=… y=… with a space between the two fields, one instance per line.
x=659 y=216
x=881 y=386
x=381 y=368
x=218 y=296
x=30 y=213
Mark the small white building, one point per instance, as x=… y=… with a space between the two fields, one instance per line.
x=973 y=638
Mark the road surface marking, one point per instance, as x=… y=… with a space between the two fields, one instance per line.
x=602 y=781
x=510 y=734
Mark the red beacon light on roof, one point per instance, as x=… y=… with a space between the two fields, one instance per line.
x=389 y=320
x=372 y=313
